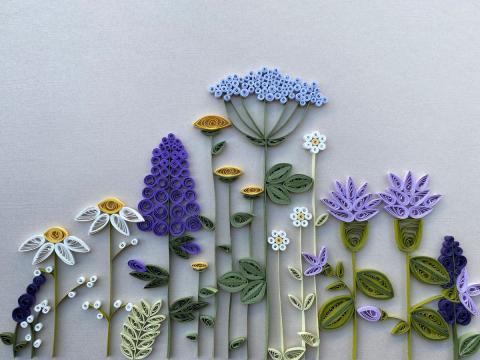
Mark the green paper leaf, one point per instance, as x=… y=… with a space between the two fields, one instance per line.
x=374 y=284
x=408 y=234
x=218 y=147
x=298 y=183
x=354 y=234
x=176 y=243
x=278 y=194
x=275 y=354
x=296 y=273
x=7 y=338
x=183 y=309
x=275 y=142
x=253 y=292
x=451 y=294
x=278 y=173
x=469 y=344
x=207 y=320
x=232 y=282
x=207 y=224
x=237 y=343
x=294 y=353
x=321 y=220
x=295 y=301
x=207 y=292
x=241 y=219
x=400 y=328
x=429 y=324
x=336 y=312
x=226 y=248
x=251 y=269
x=339 y=270
x=336 y=285
x=256 y=141
x=155 y=275
x=192 y=336
x=309 y=338
x=428 y=270
x=308 y=302
x=20 y=346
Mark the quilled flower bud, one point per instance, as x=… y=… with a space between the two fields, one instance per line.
x=97 y=304
x=38 y=308
x=46 y=309
x=28 y=337
x=117 y=304
x=99 y=316
x=134 y=242
x=37 y=343
x=38 y=327
x=122 y=245
x=49 y=269
x=37 y=272
x=93 y=278
x=129 y=307
x=30 y=319
x=81 y=280
x=72 y=294
x=85 y=305
x=24 y=324
x=90 y=284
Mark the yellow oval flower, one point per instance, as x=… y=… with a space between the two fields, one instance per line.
x=251 y=191
x=55 y=234
x=110 y=205
x=212 y=123
x=199 y=266
x=228 y=172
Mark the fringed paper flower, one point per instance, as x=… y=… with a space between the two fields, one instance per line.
x=279 y=240
x=300 y=216
x=315 y=262
x=408 y=198
x=314 y=142
x=110 y=210
x=54 y=239
x=347 y=203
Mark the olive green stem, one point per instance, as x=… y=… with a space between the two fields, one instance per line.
x=169 y=319
x=426 y=301
x=280 y=316
x=231 y=262
x=455 y=340
x=354 y=316
x=110 y=285
x=265 y=231
x=407 y=298
x=198 y=320
x=301 y=281
x=314 y=217
x=250 y=249
x=215 y=268
x=55 y=304
x=32 y=333
x=15 y=338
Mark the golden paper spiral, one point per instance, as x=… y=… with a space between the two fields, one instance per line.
x=110 y=205
x=212 y=123
x=199 y=266
x=55 y=234
x=228 y=172
x=251 y=191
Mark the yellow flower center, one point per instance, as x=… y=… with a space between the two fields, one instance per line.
x=55 y=234
x=228 y=172
x=110 y=205
x=251 y=190
x=278 y=240
x=315 y=141
x=300 y=216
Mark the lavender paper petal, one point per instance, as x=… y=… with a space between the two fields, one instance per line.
x=397 y=211
x=311 y=259
x=191 y=248
x=333 y=205
x=369 y=313
x=342 y=215
x=365 y=215
x=387 y=198
x=418 y=212
x=422 y=183
x=395 y=182
x=362 y=190
x=313 y=270
x=469 y=304
x=473 y=290
x=351 y=189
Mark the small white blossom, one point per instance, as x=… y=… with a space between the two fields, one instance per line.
x=90 y=284
x=38 y=327
x=23 y=324
x=300 y=216
x=99 y=316
x=81 y=280
x=122 y=245
x=93 y=278
x=97 y=304
x=28 y=337
x=44 y=302
x=30 y=319
x=72 y=294
x=38 y=308
x=37 y=343
x=314 y=142
x=49 y=269
x=279 y=240
x=85 y=305
x=46 y=309
x=117 y=304
x=129 y=307
x=37 y=272
x=134 y=242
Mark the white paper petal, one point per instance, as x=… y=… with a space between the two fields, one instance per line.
x=76 y=244
x=43 y=253
x=119 y=224
x=131 y=215
x=32 y=243
x=88 y=214
x=64 y=254
x=99 y=223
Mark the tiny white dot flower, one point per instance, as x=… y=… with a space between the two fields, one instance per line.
x=30 y=319
x=300 y=216
x=24 y=324
x=37 y=272
x=97 y=304
x=46 y=309
x=93 y=278
x=134 y=242
x=72 y=294
x=81 y=280
x=99 y=316
x=129 y=307
x=49 y=269
x=38 y=327
x=37 y=343
x=44 y=302
x=314 y=142
x=28 y=337
x=38 y=308
x=85 y=305
x=279 y=240
x=117 y=304
x=122 y=245
x=90 y=284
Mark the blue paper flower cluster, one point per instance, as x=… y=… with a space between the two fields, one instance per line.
x=27 y=300
x=269 y=85
x=452 y=259
x=169 y=200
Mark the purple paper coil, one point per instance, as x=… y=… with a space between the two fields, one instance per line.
x=177 y=212
x=148 y=192
x=177 y=228
x=190 y=195
x=161 y=196
x=145 y=206
x=147 y=224
x=192 y=208
x=161 y=212
x=193 y=223
x=191 y=248
x=177 y=196
x=149 y=180
x=188 y=183
x=160 y=228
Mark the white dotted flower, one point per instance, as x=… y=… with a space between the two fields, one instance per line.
x=28 y=337
x=279 y=240
x=129 y=307
x=38 y=327
x=30 y=319
x=46 y=309
x=110 y=210
x=314 y=142
x=81 y=280
x=93 y=278
x=24 y=324
x=97 y=304
x=38 y=308
x=85 y=305
x=37 y=343
x=99 y=316
x=72 y=294
x=37 y=272
x=44 y=302
x=117 y=304
x=49 y=269
x=134 y=242
x=300 y=216
x=122 y=245
x=90 y=284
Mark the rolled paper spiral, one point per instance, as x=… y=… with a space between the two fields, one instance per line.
x=212 y=123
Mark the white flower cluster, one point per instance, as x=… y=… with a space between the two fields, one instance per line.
x=279 y=240
x=44 y=307
x=38 y=272
x=123 y=244
x=98 y=304
x=300 y=216
x=90 y=284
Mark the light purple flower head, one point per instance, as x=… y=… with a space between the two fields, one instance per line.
x=347 y=203
x=370 y=313
x=466 y=291
x=408 y=198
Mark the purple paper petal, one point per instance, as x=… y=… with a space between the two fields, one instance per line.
x=422 y=183
x=160 y=228
x=365 y=215
x=313 y=270
x=372 y=205
x=334 y=205
x=418 y=197
x=177 y=228
x=401 y=198
x=362 y=190
x=311 y=259
x=161 y=196
x=351 y=189
x=361 y=201
x=473 y=290
x=148 y=192
x=369 y=313
x=342 y=215
x=177 y=211
x=145 y=207
x=147 y=224
x=468 y=303
x=161 y=212
x=408 y=184
x=137 y=265
x=193 y=223
x=191 y=248
x=344 y=203
x=431 y=201
x=462 y=281
x=323 y=256
x=400 y=212
x=340 y=189
x=418 y=212
x=395 y=181
x=190 y=195
x=387 y=198
x=149 y=180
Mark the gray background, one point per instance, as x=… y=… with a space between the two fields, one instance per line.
x=88 y=88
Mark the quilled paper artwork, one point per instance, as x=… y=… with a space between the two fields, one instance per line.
x=249 y=265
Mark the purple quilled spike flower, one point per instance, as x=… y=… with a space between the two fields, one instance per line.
x=348 y=203
x=408 y=198
x=369 y=313
x=137 y=265
x=316 y=263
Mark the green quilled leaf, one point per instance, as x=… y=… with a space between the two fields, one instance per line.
x=309 y=338
x=294 y=353
x=20 y=346
x=192 y=336
x=218 y=147
x=253 y=292
x=7 y=338
x=207 y=292
x=469 y=344
x=275 y=354
x=336 y=312
x=237 y=343
x=429 y=324
x=336 y=285
x=339 y=270
x=176 y=243
x=278 y=173
x=321 y=220
x=275 y=142
x=374 y=284
x=226 y=248
x=298 y=183
x=241 y=219
x=232 y=282
x=296 y=273
x=155 y=275
x=207 y=320
x=183 y=309
x=207 y=224
x=256 y=141
x=278 y=194
x=428 y=270
x=400 y=328
x=251 y=269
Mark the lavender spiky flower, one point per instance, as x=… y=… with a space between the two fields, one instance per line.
x=347 y=203
x=408 y=198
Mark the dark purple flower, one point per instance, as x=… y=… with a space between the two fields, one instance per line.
x=145 y=207
x=191 y=248
x=192 y=208
x=137 y=265
x=161 y=212
x=26 y=301
x=147 y=224
x=160 y=228
x=408 y=198
x=32 y=289
x=177 y=228
x=39 y=280
x=462 y=315
x=177 y=212
x=347 y=203
x=193 y=223
x=20 y=314
x=148 y=192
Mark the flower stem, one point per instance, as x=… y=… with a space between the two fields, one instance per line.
x=301 y=281
x=265 y=235
x=250 y=249
x=15 y=338
x=354 y=317
x=280 y=316
x=407 y=299
x=55 y=304
x=198 y=320
x=170 y=322
x=215 y=268
x=455 y=340
x=314 y=218
x=231 y=261
x=110 y=285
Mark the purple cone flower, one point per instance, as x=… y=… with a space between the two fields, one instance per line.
x=408 y=198
x=137 y=265
x=349 y=203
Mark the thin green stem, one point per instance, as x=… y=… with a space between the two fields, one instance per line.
x=354 y=316
x=170 y=322
x=110 y=285
x=198 y=319
x=55 y=304
x=121 y=251
x=231 y=262
x=426 y=301
x=314 y=219
x=274 y=129
x=242 y=101
x=301 y=281
x=33 y=333
x=455 y=340
x=15 y=338
x=250 y=228
x=297 y=125
x=280 y=316
x=65 y=296
x=258 y=134
x=265 y=232
x=215 y=274
x=407 y=299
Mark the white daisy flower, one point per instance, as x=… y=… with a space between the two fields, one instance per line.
x=279 y=240
x=54 y=239
x=110 y=210
x=314 y=142
x=300 y=216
